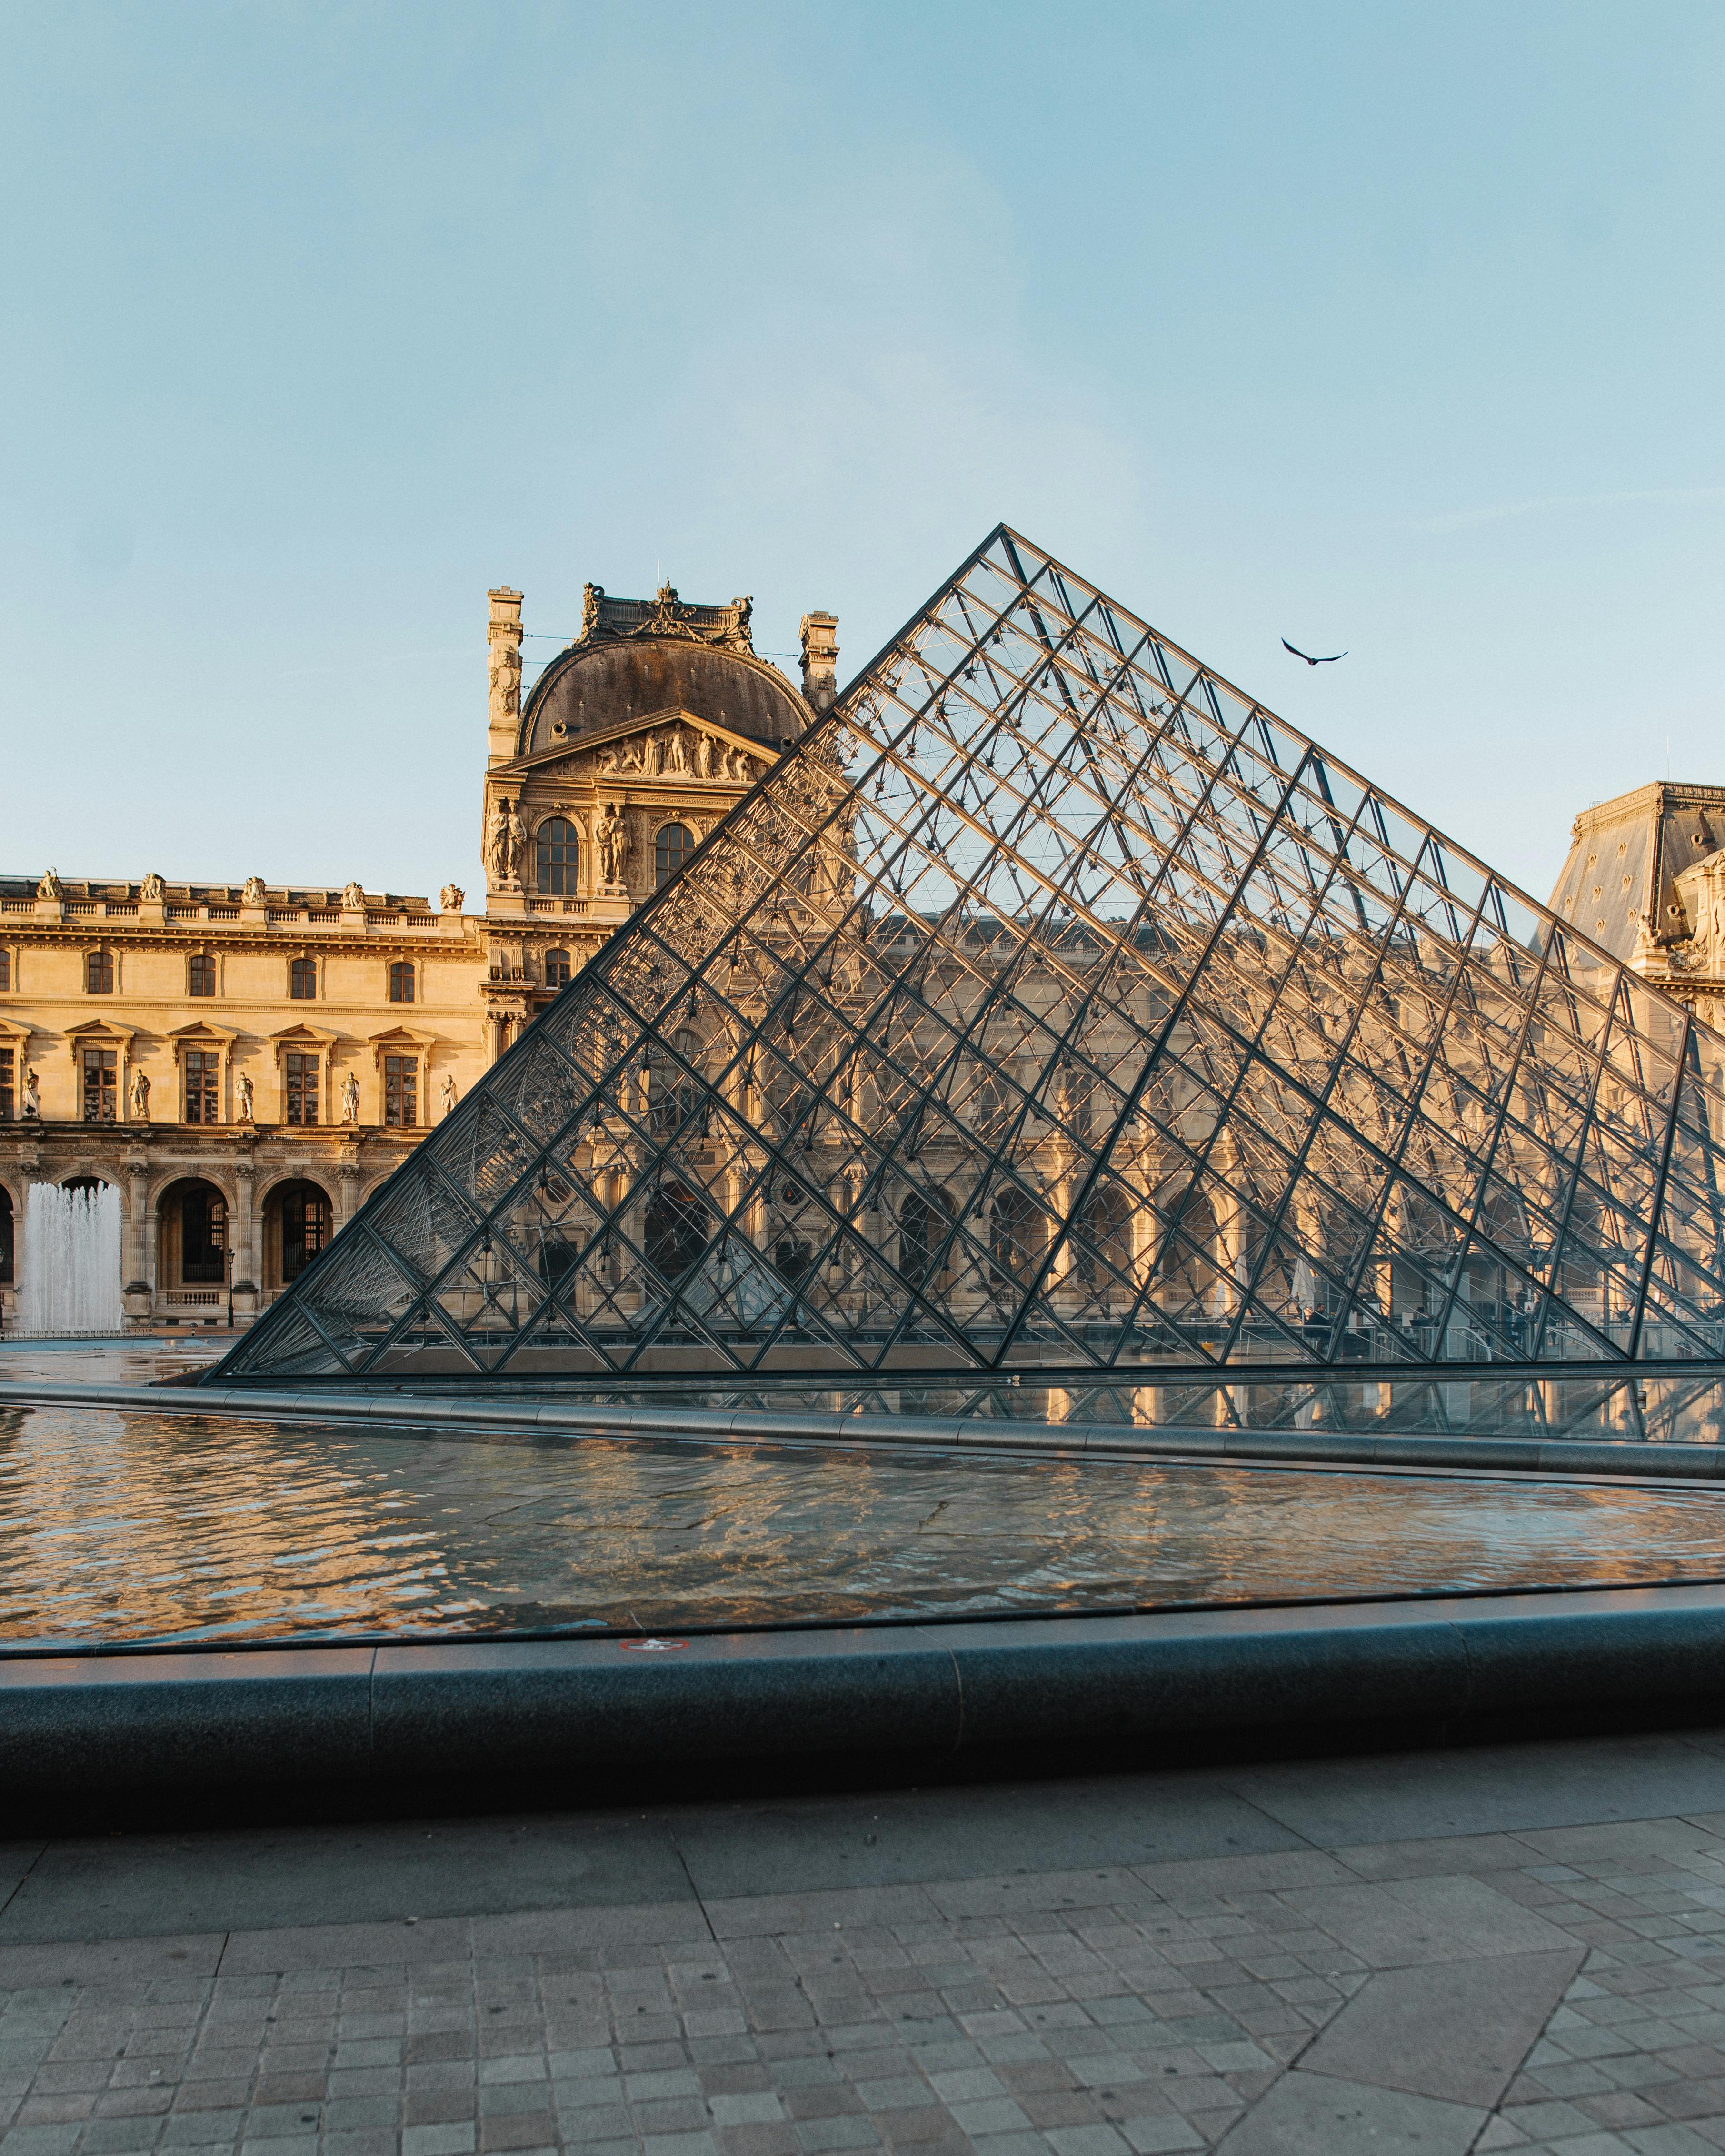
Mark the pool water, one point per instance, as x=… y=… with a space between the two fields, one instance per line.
x=132 y=1526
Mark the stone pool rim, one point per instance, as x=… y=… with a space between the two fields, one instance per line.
x=1153 y=1687
x=1701 y=1461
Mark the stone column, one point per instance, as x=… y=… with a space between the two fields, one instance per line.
x=820 y=660
x=241 y=1239
x=137 y=1229
x=504 y=715
x=347 y=1202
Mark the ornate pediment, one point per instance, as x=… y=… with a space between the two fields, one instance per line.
x=604 y=619
x=672 y=745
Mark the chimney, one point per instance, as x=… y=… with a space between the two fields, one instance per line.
x=503 y=729
x=820 y=660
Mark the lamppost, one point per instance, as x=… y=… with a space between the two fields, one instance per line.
x=228 y=1270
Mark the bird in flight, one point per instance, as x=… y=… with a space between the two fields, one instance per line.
x=1307 y=657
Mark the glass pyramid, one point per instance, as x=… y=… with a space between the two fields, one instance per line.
x=1053 y=1005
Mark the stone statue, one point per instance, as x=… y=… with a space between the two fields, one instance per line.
x=139 y=1097
x=677 y=754
x=450 y=1093
x=703 y=756
x=350 y=1099
x=49 y=886
x=449 y=898
x=253 y=893
x=505 y=837
x=353 y=897
x=652 y=755
x=152 y=889
x=246 y=1098
x=591 y=594
x=32 y=1095
x=610 y=838
x=608 y=763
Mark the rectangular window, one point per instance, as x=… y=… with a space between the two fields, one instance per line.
x=401 y=1091
x=302 y=980
x=401 y=982
x=301 y=1088
x=8 y=1093
x=204 y=1086
x=99 y=972
x=201 y=974
x=5 y=969
x=101 y=1084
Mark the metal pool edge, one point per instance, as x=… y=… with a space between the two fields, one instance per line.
x=573 y=1714
x=1590 y=1457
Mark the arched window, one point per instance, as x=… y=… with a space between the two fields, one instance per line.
x=677 y=1230
x=302 y=980
x=401 y=981
x=923 y=1220
x=99 y=972
x=1102 y=1238
x=306 y=1217
x=675 y=843
x=559 y=856
x=193 y=1227
x=1190 y=1282
x=795 y=1225
x=673 y=1094
x=1016 y=1234
x=201 y=974
x=557 y=969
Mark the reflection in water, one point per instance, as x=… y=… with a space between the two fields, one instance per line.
x=134 y=1526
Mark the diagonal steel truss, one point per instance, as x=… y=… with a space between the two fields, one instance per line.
x=1054 y=1003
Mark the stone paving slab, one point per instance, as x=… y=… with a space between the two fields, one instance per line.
x=1538 y=1980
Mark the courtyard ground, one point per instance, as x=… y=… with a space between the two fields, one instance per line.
x=1499 y=1948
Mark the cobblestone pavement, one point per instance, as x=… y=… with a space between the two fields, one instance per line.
x=1552 y=1987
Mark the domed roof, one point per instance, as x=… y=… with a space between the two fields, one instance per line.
x=636 y=657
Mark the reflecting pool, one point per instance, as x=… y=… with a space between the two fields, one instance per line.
x=129 y=1525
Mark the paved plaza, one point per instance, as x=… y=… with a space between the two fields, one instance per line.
x=1517 y=1946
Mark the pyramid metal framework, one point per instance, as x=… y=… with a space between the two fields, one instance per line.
x=1051 y=1002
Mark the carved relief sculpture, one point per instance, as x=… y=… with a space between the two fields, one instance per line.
x=703 y=756
x=517 y=841
x=450 y=898
x=591 y=595
x=152 y=890
x=350 y=1099
x=677 y=752
x=353 y=897
x=253 y=893
x=139 y=1097
x=49 y=886
x=505 y=682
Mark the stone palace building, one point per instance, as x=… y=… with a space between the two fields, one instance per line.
x=246 y=1062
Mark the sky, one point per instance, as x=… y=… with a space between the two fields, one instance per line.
x=1390 y=328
